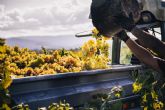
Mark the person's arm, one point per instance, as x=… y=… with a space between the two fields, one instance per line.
x=140 y=52
x=143 y=54
x=149 y=41
x=145 y=39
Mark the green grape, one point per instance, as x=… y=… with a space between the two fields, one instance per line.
x=2 y=41
x=36 y=63
x=16 y=49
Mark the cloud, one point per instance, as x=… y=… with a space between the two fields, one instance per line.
x=63 y=12
x=14 y=20
x=61 y=15
x=1 y=10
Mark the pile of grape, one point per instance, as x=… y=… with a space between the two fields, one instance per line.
x=22 y=62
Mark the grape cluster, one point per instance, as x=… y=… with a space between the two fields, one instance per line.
x=53 y=106
x=95 y=54
x=60 y=106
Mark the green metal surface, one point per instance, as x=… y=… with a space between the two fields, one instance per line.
x=163 y=31
x=116 y=50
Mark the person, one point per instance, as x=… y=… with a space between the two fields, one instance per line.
x=101 y=22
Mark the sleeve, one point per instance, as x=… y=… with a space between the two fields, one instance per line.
x=161 y=64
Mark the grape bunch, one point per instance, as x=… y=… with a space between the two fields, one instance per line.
x=60 y=106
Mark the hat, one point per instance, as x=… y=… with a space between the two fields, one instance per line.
x=102 y=12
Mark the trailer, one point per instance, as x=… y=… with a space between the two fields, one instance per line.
x=77 y=88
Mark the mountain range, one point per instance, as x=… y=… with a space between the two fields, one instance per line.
x=48 y=42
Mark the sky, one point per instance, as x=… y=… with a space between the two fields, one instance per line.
x=43 y=17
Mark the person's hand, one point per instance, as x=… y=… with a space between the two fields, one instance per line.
x=126 y=23
x=123 y=36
